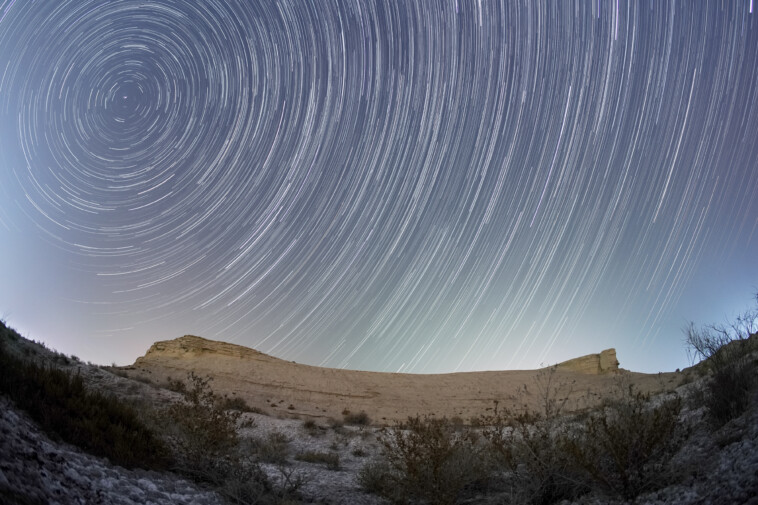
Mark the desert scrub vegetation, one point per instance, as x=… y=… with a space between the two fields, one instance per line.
x=330 y=459
x=59 y=401
x=625 y=447
x=203 y=433
x=621 y=449
x=239 y=404
x=728 y=356
x=529 y=448
x=204 y=436
x=196 y=438
x=313 y=429
x=356 y=418
x=310 y=425
x=273 y=448
x=424 y=459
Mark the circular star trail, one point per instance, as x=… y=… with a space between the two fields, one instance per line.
x=415 y=186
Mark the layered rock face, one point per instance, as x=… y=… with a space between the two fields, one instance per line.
x=287 y=388
x=190 y=346
x=596 y=364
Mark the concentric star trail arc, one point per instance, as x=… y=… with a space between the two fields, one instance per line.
x=396 y=186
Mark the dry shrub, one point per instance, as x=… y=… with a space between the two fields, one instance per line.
x=356 y=419
x=457 y=421
x=237 y=403
x=207 y=446
x=729 y=355
x=204 y=433
x=312 y=428
x=175 y=385
x=274 y=448
x=626 y=446
x=424 y=459
x=728 y=391
x=330 y=459
x=64 y=407
x=530 y=447
x=335 y=423
x=245 y=483
x=375 y=477
x=623 y=448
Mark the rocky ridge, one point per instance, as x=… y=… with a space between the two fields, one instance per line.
x=289 y=388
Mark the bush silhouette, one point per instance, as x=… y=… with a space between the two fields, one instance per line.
x=330 y=459
x=357 y=419
x=728 y=354
x=531 y=448
x=424 y=458
x=204 y=433
x=626 y=446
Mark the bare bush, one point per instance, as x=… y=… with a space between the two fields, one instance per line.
x=553 y=394
x=356 y=419
x=274 y=448
x=728 y=354
x=626 y=446
x=530 y=447
x=330 y=459
x=205 y=434
x=426 y=459
x=204 y=437
x=237 y=403
x=375 y=477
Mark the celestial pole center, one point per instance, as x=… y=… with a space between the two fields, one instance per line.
x=395 y=186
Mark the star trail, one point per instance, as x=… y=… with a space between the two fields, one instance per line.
x=409 y=186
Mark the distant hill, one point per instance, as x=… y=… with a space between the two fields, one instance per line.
x=288 y=388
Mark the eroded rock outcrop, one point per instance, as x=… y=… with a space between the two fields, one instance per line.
x=191 y=347
x=596 y=364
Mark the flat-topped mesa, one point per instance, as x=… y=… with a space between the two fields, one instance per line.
x=595 y=364
x=190 y=346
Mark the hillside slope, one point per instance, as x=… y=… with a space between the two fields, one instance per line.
x=290 y=388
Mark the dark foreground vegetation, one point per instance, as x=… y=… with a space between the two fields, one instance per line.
x=196 y=437
x=728 y=354
x=65 y=408
x=620 y=450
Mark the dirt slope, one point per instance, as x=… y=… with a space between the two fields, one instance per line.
x=288 y=388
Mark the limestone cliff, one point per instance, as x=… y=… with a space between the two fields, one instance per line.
x=190 y=346
x=602 y=363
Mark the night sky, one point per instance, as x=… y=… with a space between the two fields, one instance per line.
x=416 y=186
